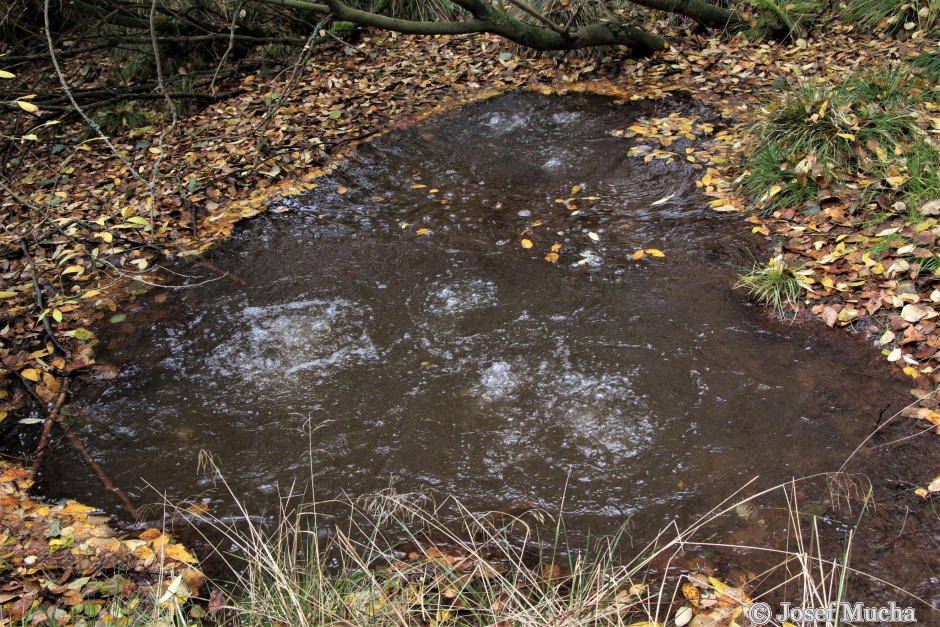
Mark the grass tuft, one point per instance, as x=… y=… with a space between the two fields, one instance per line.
x=893 y=16
x=404 y=559
x=865 y=126
x=774 y=285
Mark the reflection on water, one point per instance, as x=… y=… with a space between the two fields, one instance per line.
x=459 y=360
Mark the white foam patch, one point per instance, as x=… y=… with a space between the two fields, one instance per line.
x=313 y=338
x=457 y=297
x=600 y=412
x=498 y=381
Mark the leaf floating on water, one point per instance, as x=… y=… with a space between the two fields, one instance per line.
x=423 y=231
x=118 y=318
x=556 y=247
x=526 y=243
x=551 y=257
x=652 y=252
x=575 y=189
x=198 y=509
x=663 y=199
x=594 y=236
x=342 y=190
x=418 y=186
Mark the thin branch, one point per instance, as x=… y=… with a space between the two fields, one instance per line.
x=533 y=13
x=65 y=88
x=228 y=49
x=51 y=418
x=37 y=290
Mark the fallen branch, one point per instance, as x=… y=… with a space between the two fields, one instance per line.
x=51 y=418
x=105 y=480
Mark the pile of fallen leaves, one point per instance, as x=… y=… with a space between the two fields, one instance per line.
x=60 y=564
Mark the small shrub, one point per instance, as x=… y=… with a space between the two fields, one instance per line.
x=782 y=19
x=120 y=118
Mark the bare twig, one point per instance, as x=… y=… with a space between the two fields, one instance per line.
x=37 y=290
x=538 y=16
x=228 y=50
x=65 y=87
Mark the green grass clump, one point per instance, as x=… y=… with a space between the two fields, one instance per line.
x=865 y=127
x=928 y=64
x=893 y=16
x=920 y=165
x=774 y=285
x=120 y=118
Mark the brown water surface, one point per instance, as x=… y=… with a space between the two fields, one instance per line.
x=460 y=361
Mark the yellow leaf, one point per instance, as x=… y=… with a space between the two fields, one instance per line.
x=556 y=248
x=106 y=236
x=423 y=231
x=551 y=257
x=91 y=294
x=178 y=553
x=73 y=507
x=57 y=315
x=7 y=294
x=28 y=107
x=342 y=190
x=75 y=269
x=526 y=243
x=911 y=372
x=655 y=252
x=638 y=255
x=847 y=136
x=418 y=186
x=30 y=374
x=921 y=492
x=575 y=189
x=5 y=74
